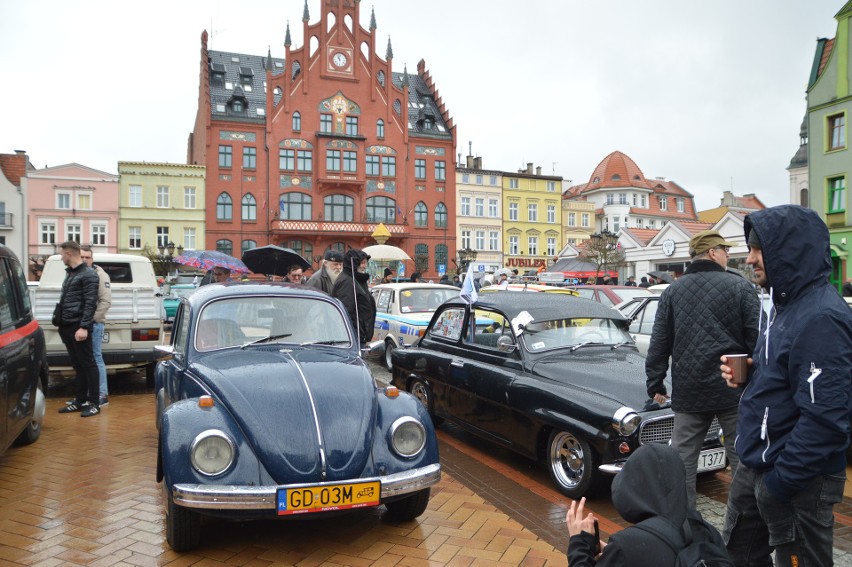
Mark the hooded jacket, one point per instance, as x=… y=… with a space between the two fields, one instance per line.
x=652 y=483
x=794 y=413
x=706 y=313
x=352 y=290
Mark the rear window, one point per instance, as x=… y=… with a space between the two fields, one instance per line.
x=118 y=272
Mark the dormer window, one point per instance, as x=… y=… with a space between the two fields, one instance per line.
x=237 y=106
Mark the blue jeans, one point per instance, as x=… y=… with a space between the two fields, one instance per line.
x=97 y=342
x=800 y=531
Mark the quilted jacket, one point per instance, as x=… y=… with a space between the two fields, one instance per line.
x=79 y=296
x=704 y=314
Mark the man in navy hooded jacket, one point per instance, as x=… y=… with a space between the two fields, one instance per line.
x=793 y=423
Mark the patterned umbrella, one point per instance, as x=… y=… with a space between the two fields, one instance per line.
x=209 y=259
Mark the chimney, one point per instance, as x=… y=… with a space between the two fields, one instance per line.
x=21 y=152
x=477 y=163
x=529 y=167
x=470 y=162
x=538 y=170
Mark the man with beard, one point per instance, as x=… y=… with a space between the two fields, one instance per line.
x=324 y=278
x=352 y=290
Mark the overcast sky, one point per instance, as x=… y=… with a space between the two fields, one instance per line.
x=709 y=94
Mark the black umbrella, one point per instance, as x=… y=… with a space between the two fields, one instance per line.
x=664 y=276
x=273 y=260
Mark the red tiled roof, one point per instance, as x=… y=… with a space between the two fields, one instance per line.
x=642 y=235
x=750 y=202
x=14 y=166
x=826 y=52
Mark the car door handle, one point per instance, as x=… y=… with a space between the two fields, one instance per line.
x=458 y=363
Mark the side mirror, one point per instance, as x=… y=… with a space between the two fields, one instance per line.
x=164 y=352
x=505 y=344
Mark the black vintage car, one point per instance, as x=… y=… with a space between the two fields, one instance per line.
x=555 y=377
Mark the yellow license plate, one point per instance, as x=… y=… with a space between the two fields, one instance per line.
x=328 y=497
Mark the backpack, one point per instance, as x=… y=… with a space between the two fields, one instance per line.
x=697 y=544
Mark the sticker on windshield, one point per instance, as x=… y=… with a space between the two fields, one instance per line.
x=522 y=320
x=536 y=346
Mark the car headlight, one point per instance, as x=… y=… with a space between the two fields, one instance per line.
x=212 y=452
x=626 y=421
x=407 y=436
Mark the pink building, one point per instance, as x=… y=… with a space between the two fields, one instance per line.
x=70 y=202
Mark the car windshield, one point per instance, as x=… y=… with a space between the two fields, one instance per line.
x=625 y=294
x=182 y=291
x=424 y=299
x=236 y=321
x=539 y=336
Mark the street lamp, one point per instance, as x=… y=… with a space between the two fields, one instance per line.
x=166 y=256
x=466 y=256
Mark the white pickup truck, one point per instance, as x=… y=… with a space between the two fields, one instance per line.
x=134 y=322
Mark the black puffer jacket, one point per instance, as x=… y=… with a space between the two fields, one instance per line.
x=706 y=313
x=351 y=289
x=79 y=296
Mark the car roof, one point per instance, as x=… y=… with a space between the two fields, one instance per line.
x=412 y=285
x=227 y=289
x=545 y=306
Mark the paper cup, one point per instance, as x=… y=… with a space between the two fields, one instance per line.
x=739 y=368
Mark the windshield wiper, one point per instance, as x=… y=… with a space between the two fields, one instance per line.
x=616 y=345
x=266 y=339
x=581 y=345
x=337 y=342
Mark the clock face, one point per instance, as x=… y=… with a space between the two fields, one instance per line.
x=339 y=60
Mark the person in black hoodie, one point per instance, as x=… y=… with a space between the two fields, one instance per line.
x=652 y=484
x=352 y=290
x=793 y=423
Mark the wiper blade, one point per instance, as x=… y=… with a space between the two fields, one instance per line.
x=338 y=342
x=581 y=345
x=266 y=339
x=616 y=345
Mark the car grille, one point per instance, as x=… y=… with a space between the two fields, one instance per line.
x=659 y=430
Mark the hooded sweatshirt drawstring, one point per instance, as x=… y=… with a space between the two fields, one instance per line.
x=770 y=318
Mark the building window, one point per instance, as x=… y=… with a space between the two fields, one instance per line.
x=584 y=220
x=189 y=197
x=134 y=196
x=249 y=158
x=63 y=200
x=441 y=257
x=134 y=237
x=287 y=160
x=551 y=213
x=465 y=176
x=297 y=121
x=162 y=236
x=332 y=160
x=493 y=240
x=652 y=223
x=162 y=197
x=84 y=202
x=441 y=216
x=421 y=257
x=513 y=183
x=350 y=162
x=98 y=234
x=372 y=166
x=664 y=204
x=325 y=123
x=339 y=208
x=644 y=203
x=303 y=249
x=388 y=166
x=295 y=206
x=480 y=240
x=380 y=128
x=48 y=233
x=836 y=132
x=513 y=245
x=513 y=211
x=248 y=245
x=465 y=206
x=551 y=186
x=610 y=198
x=306 y=161
x=639 y=223
x=572 y=219
x=421 y=214
x=381 y=209
x=679 y=202
x=551 y=246
x=225 y=246
x=479 y=180
x=420 y=169
x=480 y=207
x=616 y=224
x=532 y=212
x=224 y=207
x=465 y=239
x=249 y=208
x=225 y=154
x=532 y=244
x=351 y=125
x=622 y=198
x=189 y=239
x=634 y=199
x=492 y=208
x=440 y=170
x=836 y=194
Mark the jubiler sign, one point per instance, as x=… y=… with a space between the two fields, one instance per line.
x=514 y=262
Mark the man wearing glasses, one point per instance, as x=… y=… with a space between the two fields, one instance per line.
x=704 y=314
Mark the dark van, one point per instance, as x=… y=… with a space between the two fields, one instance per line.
x=23 y=358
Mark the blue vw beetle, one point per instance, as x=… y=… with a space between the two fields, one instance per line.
x=265 y=409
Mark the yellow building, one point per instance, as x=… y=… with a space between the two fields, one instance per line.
x=160 y=203
x=479 y=221
x=578 y=221
x=532 y=218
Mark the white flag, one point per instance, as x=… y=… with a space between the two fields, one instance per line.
x=468 y=290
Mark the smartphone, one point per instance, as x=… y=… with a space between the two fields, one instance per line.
x=597 y=539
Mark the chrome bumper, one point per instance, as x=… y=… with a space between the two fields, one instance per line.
x=231 y=497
